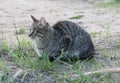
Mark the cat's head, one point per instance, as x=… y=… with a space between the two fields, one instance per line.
x=39 y=28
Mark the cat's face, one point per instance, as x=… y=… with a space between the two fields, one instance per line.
x=38 y=28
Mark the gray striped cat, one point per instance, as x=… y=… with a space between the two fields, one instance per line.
x=63 y=37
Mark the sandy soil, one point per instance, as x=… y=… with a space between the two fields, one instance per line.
x=95 y=19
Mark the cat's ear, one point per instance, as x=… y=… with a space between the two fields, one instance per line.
x=43 y=21
x=33 y=18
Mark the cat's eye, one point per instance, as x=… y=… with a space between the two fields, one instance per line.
x=35 y=32
x=31 y=29
x=39 y=34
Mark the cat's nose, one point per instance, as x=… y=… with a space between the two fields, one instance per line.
x=30 y=34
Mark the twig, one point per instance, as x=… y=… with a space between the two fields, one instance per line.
x=19 y=72
x=103 y=71
x=112 y=70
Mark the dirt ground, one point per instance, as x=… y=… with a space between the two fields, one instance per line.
x=95 y=19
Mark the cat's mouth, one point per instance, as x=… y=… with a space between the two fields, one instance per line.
x=32 y=38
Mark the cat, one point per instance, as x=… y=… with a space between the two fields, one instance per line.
x=65 y=39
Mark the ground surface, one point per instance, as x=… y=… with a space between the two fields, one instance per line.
x=95 y=19
x=101 y=22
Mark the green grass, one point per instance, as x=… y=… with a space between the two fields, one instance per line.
x=117 y=0
x=24 y=57
x=77 y=17
x=112 y=4
x=20 y=31
x=95 y=34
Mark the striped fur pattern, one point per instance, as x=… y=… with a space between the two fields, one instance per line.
x=63 y=37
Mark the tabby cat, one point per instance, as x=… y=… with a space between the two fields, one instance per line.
x=64 y=39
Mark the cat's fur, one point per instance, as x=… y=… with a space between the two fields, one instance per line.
x=64 y=37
